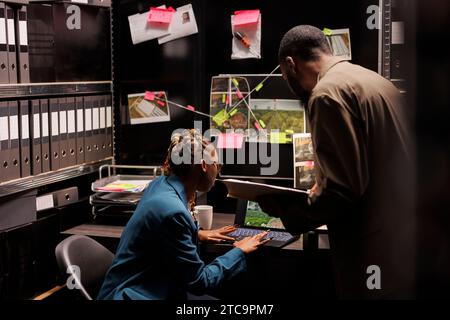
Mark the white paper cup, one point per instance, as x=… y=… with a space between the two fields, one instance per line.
x=204 y=216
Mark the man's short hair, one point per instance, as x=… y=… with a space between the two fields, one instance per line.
x=304 y=42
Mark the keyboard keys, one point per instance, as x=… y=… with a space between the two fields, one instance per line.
x=241 y=233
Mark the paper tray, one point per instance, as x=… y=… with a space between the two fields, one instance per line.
x=115 y=199
x=141 y=182
x=112 y=210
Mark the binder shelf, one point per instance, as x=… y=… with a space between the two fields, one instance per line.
x=30 y=90
x=23 y=184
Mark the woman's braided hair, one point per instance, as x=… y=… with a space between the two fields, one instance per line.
x=190 y=140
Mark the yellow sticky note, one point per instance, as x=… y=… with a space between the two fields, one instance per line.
x=258 y=87
x=233 y=112
x=262 y=123
x=224 y=98
x=289 y=131
x=278 y=137
x=327 y=32
x=221 y=117
x=236 y=83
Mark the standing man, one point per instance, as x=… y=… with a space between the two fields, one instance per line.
x=364 y=169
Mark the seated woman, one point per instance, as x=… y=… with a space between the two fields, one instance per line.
x=158 y=257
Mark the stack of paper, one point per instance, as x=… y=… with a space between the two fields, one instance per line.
x=125 y=186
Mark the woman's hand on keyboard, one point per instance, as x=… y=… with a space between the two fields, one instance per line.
x=216 y=235
x=250 y=244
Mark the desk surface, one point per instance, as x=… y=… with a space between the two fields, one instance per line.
x=109 y=231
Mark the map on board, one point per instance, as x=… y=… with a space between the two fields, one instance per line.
x=233 y=107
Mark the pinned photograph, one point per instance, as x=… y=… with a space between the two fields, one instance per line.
x=304 y=177
x=148 y=108
x=303 y=147
x=339 y=41
x=183 y=24
x=141 y=30
x=246 y=34
x=185 y=17
x=283 y=115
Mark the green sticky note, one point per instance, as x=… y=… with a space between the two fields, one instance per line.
x=289 y=131
x=236 y=83
x=327 y=32
x=233 y=112
x=224 y=98
x=258 y=87
x=278 y=137
x=221 y=117
x=262 y=123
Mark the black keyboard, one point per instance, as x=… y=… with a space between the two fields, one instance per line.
x=240 y=233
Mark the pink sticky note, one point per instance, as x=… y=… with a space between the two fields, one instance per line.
x=243 y=17
x=162 y=104
x=189 y=107
x=309 y=164
x=160 y=15
x=149 y=95
x=230 y=141
x=239 y=94
x=227 y=100
x=257 y=126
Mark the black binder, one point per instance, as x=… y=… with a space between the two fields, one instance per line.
x=88 y=140
x=96 y=137
x=11 y=32
x=80 y=130
x=36 y=150
x=22 y=46
x=54 y=134
x=24 y=138
x=109 y=122
x=14 y=156
x=103 y=142
x=4 y=70
x=4 y=141
x=45 y=136
x=71 y=131
x=63 y=138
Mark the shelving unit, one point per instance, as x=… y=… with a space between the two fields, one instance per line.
x=36 y=90
x=24 y=184
x=390 y=54
x=27 y=263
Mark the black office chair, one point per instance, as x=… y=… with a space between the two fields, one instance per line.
x=90 y=258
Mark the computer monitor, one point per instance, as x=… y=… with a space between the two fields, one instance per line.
x=252 y=220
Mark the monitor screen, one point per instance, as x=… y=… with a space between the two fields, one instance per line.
x=255 y=217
